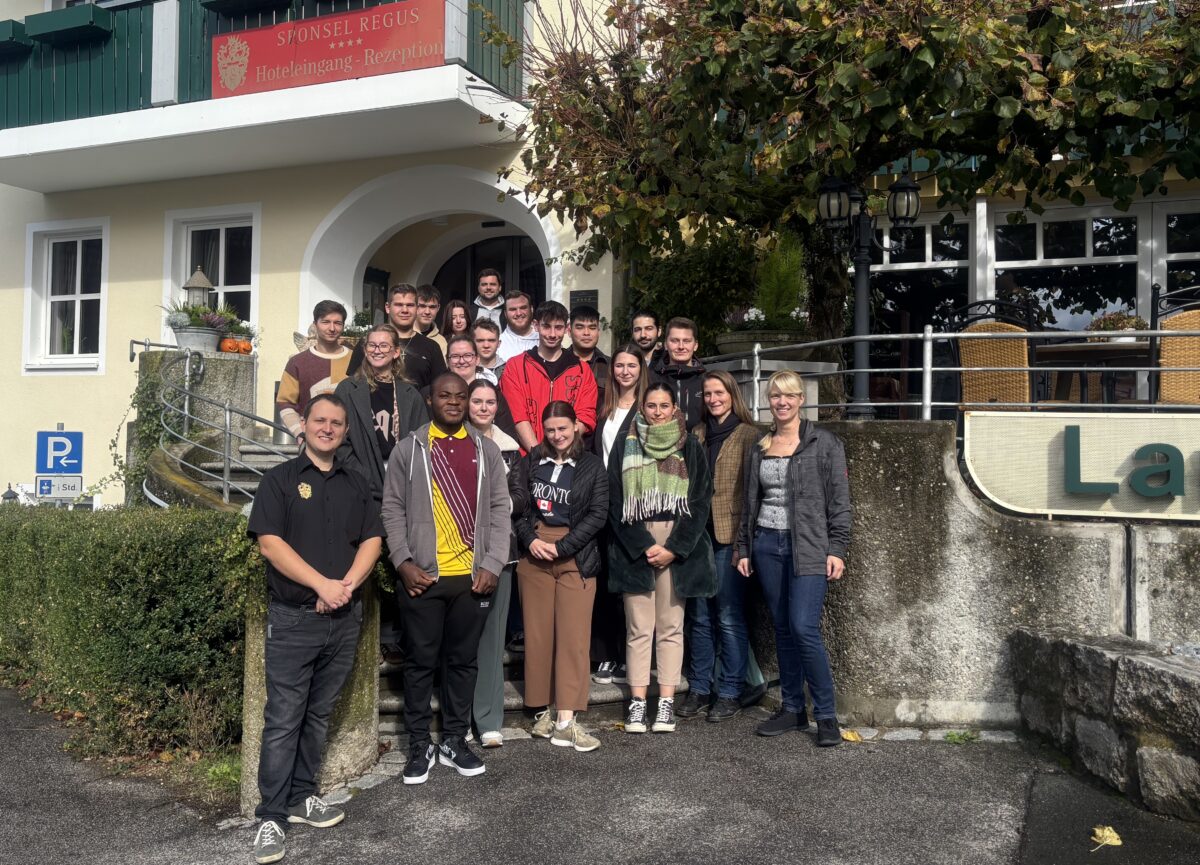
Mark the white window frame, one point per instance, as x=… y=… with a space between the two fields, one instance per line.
x=929 y=221
x=179 y=224
x=35 y=355
x=1160 y=257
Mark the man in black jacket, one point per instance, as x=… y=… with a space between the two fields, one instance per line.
x=679 y=368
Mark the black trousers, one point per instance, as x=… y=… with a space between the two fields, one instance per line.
x=441 y=626
x=309 y=655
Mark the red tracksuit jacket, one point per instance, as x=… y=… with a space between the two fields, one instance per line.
x=528 y=390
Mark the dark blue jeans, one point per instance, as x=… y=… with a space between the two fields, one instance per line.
x=795 y=602
x=309 y=655
x=719 y=621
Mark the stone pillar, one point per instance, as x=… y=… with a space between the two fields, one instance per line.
x=352 y=745
x=223 y=377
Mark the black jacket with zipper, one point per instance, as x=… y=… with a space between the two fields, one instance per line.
x=588 y=500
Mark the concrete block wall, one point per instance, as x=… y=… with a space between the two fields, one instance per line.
x=1128 y=712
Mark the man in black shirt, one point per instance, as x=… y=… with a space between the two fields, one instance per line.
x=423 y=358
x=318 y=528
x=585 y=334
x=680 y=369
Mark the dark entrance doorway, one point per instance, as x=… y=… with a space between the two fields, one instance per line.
x=516 y=257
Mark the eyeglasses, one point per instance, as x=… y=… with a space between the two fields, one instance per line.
x=462 y=358
x=380 y=347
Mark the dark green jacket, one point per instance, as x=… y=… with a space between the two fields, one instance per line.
x=693 y=572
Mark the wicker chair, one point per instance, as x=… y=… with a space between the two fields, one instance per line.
x=1175 y=310
x=994 y=387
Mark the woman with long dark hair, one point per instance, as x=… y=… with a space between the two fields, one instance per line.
x=456 y=320
x=794 y=534
x=726 y=432
x=627 y=381
x=659 y=553
x=567 y=508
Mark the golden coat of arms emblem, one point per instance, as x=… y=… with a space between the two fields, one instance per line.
x=305 y=491
x=233 y=59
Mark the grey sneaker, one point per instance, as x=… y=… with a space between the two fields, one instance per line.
x=268 y=843
x=315 y=812
x=543 y=725
x=573 y=736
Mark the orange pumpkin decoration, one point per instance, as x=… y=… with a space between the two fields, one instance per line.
x=245 y=346
x=229 y=344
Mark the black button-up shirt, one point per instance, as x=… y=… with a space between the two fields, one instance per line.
x=323 y=516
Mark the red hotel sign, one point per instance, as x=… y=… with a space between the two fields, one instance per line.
x=389 y=38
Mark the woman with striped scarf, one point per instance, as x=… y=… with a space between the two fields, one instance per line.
x=660 y=492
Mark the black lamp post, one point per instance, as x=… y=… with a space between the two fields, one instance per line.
x=842 y=209
x=8 y=497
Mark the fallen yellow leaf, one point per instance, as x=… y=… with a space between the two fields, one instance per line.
x=851 y=736
x=1105 y=836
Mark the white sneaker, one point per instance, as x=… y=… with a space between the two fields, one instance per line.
x=491 y=739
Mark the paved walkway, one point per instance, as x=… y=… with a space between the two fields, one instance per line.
x=705 y=794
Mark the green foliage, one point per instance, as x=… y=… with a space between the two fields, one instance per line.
x=200 y=315
x=962 y=737
x=781 y=278
x=131 y=617
x=719 y=273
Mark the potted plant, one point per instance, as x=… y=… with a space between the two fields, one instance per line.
x=239 y=338
x=199 y=327
x=777 y=317
x=1118 y=320
x=357 y=327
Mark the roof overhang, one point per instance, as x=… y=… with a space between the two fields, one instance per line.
x=416 y=111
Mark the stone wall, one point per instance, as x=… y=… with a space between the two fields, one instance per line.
x=1166 y=589
x=1126 y=711
x=936 y=581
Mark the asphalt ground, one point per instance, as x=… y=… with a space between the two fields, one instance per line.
x=706 y=793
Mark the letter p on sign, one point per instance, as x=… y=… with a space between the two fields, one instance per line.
x=59 y=453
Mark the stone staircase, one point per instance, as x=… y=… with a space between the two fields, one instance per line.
x=253 y=458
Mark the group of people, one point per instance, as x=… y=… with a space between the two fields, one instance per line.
x=632 y=497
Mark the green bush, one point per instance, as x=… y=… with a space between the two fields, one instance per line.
x=132 y=617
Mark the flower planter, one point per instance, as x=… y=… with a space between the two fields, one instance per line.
x=84 y=23
x=198 y=338
x=742 y=341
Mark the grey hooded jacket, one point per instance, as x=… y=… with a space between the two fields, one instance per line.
x=819 y=495
x=408 y=504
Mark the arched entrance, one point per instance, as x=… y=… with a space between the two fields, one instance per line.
x=441 y=209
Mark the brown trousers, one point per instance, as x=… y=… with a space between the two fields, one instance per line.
x=556 y=602
x=655 y=619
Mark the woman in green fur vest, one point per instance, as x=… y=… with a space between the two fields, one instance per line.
x=659 y=552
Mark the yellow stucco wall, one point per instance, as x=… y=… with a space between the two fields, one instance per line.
x=293 y=204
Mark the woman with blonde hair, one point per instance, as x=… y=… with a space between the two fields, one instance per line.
x=794 y=534
x=382 y=407
x=727 y=432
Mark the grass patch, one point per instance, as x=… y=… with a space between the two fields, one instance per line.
x=962 y=737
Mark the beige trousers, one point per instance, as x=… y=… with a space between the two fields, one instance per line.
x=655 y=619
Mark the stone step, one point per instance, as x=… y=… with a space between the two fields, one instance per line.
x=244 y=462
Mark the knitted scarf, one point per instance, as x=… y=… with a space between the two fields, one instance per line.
x=654 y=476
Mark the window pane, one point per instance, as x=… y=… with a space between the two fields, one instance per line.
x=1184 y=274
x=1064 y=239
x=1183 y=232
x=62 y=327
x=89 y=327
x=1114 y=235
x=63 y=257
x=205 y=253
x=1068 y=298
x=1016 y=242
x=237 y=255
x=93 y=252
x=913 y=240
x=239 y=301
x=950 y=242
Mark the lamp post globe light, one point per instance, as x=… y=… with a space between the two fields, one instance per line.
x=843 y=210
x=196 y=289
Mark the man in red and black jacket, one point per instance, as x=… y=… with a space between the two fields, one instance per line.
x=537 y=377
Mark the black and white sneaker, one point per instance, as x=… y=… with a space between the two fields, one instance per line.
x=268 y=843
x=664 y=721
x=635 y=718
x=604 y=673
x=456 y=753
x=620 y=675
x=315 y=812
x=420 y=761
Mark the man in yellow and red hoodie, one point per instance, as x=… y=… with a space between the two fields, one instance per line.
x=537 y=377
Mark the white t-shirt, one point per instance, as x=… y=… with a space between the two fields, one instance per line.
x=608 y=437
x=512 y=344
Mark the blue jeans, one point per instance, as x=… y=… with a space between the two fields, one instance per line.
x=727 y=610
x=795 y=602
x=309 y=656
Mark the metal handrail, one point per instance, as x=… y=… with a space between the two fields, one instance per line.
x=180 y=422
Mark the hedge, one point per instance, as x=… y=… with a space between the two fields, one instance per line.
x=132 y=617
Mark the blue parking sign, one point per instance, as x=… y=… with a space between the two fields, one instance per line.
x=59 y=453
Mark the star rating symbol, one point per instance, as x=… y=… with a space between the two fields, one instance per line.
x=360 y=41
x=332 y=44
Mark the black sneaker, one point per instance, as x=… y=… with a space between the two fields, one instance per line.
x=517 y=643
x=693 y=704
x=420 y=761
x=635 y=718
x=664 y=720
x=620 y=675
x=724 y=709
x=457 y=754
x=828 y=733
x=604 y=673
x=782 y=722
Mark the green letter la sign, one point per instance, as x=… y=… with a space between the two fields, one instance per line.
x=1071 y=469
x=1139 y=479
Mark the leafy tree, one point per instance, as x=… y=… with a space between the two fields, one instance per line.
x=657 y=124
